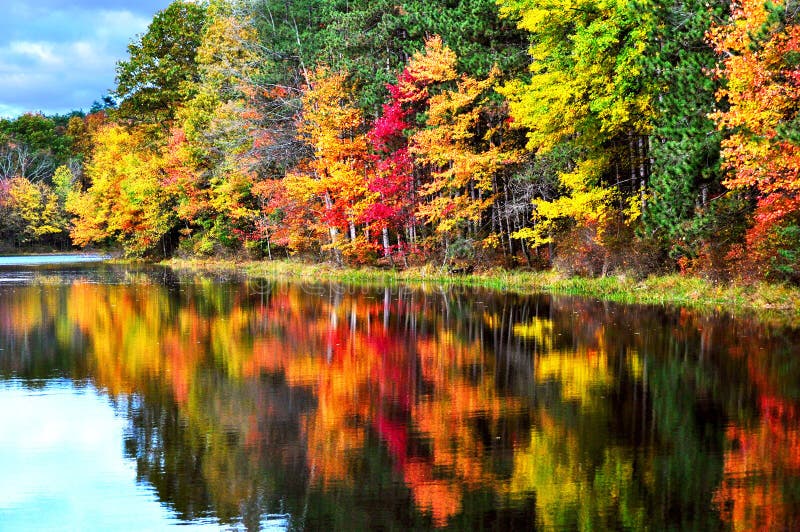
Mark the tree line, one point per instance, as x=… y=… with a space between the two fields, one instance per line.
x=596 y=136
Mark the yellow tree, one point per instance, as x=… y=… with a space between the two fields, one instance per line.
x=32 y=210
x=217 y=131
x=335 y=177
x=587 y=99
x=127 y=200
x=462 y=158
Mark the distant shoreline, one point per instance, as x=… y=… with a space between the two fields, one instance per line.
x=772 y=302
x=767 y=301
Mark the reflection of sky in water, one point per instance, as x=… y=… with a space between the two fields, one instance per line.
x=27 y=269
x=62 y=463
x=35 y=260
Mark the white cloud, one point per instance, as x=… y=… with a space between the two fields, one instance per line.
x=110 y=25
x=41 y=52
x=62 y=59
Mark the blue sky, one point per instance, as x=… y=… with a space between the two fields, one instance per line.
x=59 y=55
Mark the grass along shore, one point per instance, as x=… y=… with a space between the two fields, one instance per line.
x=766 y=300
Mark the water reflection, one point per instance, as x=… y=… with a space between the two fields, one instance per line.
x=60 y=457
x=262 y=405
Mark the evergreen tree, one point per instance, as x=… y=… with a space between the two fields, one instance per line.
x=685 y=144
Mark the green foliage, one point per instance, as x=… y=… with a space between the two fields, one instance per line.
x=292 y=33
x=786 y=261
x=157 y=76
x=474 y=30
x=711 y=234
x=39 y=133
x=32 y=145
x=371 y=39
x=685 y=145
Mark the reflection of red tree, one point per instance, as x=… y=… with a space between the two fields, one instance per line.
x=393 y=376
x=369 y=376
x=761 y=459
x=751 y=496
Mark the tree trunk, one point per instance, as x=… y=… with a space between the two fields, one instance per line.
x=334 y=232
x=386 y=252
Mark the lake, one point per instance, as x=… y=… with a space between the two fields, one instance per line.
x=138 y=398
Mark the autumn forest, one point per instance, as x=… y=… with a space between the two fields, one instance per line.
x=595 y=136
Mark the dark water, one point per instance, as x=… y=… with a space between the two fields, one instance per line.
x=138 y=399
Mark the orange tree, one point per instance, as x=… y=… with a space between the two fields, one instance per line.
x=760 y=46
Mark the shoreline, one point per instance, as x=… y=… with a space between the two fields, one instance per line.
x=764 y=300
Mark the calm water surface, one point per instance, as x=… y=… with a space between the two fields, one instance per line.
x=142 y=399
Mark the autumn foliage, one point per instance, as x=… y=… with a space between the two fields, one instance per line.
x=759 y=47
x=643 y=137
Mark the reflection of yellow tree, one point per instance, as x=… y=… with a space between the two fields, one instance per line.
x=583 y=374
x=136 y=337
x=27 y=312
x=540 y=330
x=570 y=493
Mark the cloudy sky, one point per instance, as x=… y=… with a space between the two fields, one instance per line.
x=59 y=55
